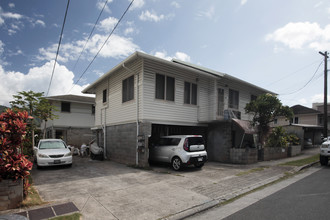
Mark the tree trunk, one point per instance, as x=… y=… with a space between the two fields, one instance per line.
x=44 y=133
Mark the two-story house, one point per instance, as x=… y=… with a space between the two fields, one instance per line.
x=75 y=118
x=145 y=97
x=305 y=123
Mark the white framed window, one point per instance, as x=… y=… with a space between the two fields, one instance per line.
x=165 y=87
x=233 y=99
x=190 y=93
x=128 y=89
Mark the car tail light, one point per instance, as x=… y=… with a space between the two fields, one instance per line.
x=186 y=145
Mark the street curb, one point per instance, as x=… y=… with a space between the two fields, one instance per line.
x=308 y=165
x=210 y=204
x=191 y=211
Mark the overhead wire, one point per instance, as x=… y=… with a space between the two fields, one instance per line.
x=291 y=74
x=83 y=73
x=317 y=69
x=90 y=34
x=58 y=47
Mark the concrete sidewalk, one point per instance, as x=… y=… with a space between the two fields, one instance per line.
x=107 y=190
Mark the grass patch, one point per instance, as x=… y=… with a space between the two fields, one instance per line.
x=33 y=198
x=251 y=171
x=74 y=216
x=303 y=162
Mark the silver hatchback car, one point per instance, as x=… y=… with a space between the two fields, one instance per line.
x=179 y=150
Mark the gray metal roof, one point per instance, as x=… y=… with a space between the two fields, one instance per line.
x=176 y=63
x=72 y=98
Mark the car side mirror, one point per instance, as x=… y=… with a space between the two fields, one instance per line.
x=35 y=148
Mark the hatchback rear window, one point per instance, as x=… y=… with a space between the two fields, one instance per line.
x=168 y=141
x=195 y=141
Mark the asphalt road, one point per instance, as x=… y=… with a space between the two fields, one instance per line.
x=307 y=198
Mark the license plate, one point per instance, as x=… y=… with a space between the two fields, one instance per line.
x=57 y=161
x=200 y=159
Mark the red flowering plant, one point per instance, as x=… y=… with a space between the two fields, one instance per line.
x=13 y=164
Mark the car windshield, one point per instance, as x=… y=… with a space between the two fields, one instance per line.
x=52 y=145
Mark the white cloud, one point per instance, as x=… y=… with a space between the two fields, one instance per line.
x=108 y=24
x=151 y=16
x=178 y=55
x=175 y=4
x=11 y=5
x=182 y=56
x=302 y=35
x=129 y=30
x=1 y=48
x=209 y=13
x=40 y=22
x=243 y=2
x=137 y=4
x=116 y=47
x=37 y=79
x=100 y=5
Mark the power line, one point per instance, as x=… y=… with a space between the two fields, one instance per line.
x=58 y=47
x=291 y=74
x=102 y=45
x=90 y=34
x=306 y=83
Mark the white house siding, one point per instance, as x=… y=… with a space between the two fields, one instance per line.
x=116 y=111
x=245 y=93
x=170 y=112
x=80 y=115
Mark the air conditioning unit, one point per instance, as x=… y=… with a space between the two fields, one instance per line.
x=228 y=114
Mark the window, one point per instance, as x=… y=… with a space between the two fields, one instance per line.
x=190 y=93
x=296 y=120
x=93 y=109
x=128 y=89
x=275 y=121
x=104 y=96
x=221 y=101
x=165 y=87
x=65 y=106
x=233 y=99
x=253 y=97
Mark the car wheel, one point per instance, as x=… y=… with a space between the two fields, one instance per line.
x=323 y=160
x=93 y=156
x=176 y=163
x=199 y=165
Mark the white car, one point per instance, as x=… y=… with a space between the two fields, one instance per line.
x=325 y=153
x=52 y=152
x=179 y=150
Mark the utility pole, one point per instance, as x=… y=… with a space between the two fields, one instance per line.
x=325 y=103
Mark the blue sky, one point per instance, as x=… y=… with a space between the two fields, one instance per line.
x=273 y=44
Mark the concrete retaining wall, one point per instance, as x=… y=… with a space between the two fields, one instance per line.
x=219 y=141
x=11 y=194
x=273 y=153
x=294 y=150
x=121 y=143
x=243 y=155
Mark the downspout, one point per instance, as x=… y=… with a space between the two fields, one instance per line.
x=137 y=114
x=104 y=127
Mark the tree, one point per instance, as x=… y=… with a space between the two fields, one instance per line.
x=265 y=109
x=36 y=105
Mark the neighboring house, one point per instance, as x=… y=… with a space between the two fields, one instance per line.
x=320 y=107
x=145 y=97
x=76 y=116
x=305 y=123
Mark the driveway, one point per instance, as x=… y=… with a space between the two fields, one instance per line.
x=108 y=190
